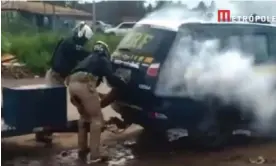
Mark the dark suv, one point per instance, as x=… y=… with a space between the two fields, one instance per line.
x=139 y=59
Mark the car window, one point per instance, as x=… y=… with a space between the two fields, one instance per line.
x=144 y=39
x=256 y=45
x=126 y=25
x=251 y=44
x=272 y=47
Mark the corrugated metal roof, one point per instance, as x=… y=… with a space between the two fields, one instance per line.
x=42 y=8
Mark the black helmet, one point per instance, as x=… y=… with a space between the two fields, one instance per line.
x=101 y=48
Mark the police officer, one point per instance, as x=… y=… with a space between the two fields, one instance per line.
x=68 y=53
x=82 y=84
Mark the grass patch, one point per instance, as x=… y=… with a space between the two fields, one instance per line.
x=36 y=50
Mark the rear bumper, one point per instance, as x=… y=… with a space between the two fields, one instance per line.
x=135 y=114
x=161 y=119
x=182 y=113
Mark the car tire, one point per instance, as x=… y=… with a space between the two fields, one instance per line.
x=215 y=139
x=150 y=133
x=214 y=133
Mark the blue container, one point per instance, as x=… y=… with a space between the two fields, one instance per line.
x=26 y=109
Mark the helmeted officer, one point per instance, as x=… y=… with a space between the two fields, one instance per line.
x=68 y=53
x=82 y=84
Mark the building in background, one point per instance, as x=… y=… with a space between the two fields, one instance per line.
x=44 y=15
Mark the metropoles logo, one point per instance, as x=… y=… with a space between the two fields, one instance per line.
x=224 y=16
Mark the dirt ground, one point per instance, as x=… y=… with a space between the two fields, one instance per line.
x=23 y=150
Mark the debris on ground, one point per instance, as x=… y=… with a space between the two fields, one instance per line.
x=67 y=157
x=11 y=67
x=175 y=134
x=258 y=160
x=119 y=155
x=129 y=142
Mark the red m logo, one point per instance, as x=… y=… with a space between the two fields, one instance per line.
x=224 y=16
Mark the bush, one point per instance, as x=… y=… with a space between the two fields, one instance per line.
x=5 y=44
x=35 y=51
x=112 y=41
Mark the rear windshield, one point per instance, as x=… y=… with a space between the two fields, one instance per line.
x=144 y=39
x=226 y=38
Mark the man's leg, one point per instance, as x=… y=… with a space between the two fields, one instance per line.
x=74 y=89
x=92 y=107
x=95 y=138
x=82 y=139
x=89 y=102
x=110 y=97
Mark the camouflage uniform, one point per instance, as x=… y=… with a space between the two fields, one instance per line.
x=82 y=85
x=82 y=89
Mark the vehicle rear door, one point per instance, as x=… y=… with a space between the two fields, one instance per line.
x=254 y=40
x=139 y=55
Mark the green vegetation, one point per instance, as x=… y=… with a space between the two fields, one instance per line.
x=5 y=44
x=36 y=50
x=34 y=45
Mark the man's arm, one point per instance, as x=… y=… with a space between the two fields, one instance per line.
x=109 y=98
x=106 y=68
x=82 y=53
x=101 y=95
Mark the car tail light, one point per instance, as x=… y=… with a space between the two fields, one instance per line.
x=153 y=69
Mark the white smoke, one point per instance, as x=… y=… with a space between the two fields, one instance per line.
x=229 y=75
x=180 y=11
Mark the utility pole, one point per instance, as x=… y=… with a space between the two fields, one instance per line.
x=94 y=15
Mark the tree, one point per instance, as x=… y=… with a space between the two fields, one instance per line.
x=71 y=4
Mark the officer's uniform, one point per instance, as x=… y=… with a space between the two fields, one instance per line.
x=68 y=53
x=82 y=85
x=52 y=77
x=65 y=58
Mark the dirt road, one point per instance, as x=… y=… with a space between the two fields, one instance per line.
x=24 y=150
